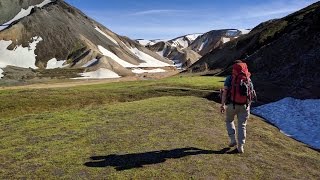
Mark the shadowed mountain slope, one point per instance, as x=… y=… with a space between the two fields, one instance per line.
x=283 y=56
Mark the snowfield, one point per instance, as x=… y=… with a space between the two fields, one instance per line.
x=149 y=60
x=54 y=63
x=14 y=57
x=23 y=13
x=140 y=71
x=111 y=55
x=296 y=118
x=101 y=73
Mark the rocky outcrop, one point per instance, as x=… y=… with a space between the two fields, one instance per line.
x=283 y=56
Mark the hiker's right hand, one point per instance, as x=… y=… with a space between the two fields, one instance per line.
x=223 y=109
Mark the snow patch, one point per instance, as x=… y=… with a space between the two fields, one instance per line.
x=101 y=73
x=20 y=56
x=150 y=42
x=140 y=71
x=90 y=63
x=204 y=43
x=201 y=46
x=23 y=13
x=193 y=37
x=296 y=118
x=177 y=63
x=180 y=42
x=149 y=60
x=245 y=31
x=225 y=40
x=111 y=55
x=145 y=42
x=54 y=63
x=106 y=35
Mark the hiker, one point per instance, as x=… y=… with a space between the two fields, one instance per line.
x=236 y=99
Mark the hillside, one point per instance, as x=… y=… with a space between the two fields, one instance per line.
x=282 y=54
x=147 y=129
x=54 y=34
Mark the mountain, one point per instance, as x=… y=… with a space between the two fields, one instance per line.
x=214 y=39
x=282 y=54
x=46 y=34
x=186 y=50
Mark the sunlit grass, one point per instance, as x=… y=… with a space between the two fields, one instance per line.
x=138 y=130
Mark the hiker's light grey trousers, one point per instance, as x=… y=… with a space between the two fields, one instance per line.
x=243 y=113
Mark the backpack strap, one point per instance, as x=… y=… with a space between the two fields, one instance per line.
x=234 y=91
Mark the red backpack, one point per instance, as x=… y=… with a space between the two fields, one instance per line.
x=242 y=91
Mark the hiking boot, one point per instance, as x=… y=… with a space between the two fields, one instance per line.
x=232 y=144
x=240 y=149
x=233 y=141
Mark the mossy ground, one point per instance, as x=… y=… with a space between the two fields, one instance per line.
x=138 y=130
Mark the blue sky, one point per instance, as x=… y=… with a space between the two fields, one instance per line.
x=166 y=19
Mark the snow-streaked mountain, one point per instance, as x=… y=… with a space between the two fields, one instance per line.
x=144 y=42
x=184 y=41
x=186 y=50
x=214 y=39
x=46 y=34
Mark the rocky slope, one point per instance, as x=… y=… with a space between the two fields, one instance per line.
x=51 y=33
x=283 y=56
x=186 y=50
x=10 y=8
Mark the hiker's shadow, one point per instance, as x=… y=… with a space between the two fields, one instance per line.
x=138 y=160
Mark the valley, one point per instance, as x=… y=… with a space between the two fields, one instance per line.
x=81 y=101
